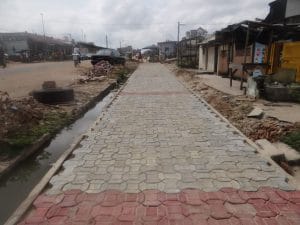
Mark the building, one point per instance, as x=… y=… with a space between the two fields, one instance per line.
x=167 y=49
x=150 y=53
x=29 y=47
x=126 y=51
x=252 y=50
x=188 y=48
x=269 y=45
x=284 y=12
x=208 y=55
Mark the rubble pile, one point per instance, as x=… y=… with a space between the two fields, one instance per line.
x=98 y=72
x=102 y=67
x=237 y=112
x=237 y=109
x=270 y=129
x=16 y=114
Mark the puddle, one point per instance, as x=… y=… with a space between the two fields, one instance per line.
x=16 y=185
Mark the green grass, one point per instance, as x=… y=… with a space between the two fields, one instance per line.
x=122 y=75
x=292 y=139
x=51 y=123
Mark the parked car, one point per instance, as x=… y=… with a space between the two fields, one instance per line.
x=84 y=57
x=110 y=55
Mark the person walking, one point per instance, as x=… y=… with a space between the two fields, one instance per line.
x=2 y=58
x=76 y=56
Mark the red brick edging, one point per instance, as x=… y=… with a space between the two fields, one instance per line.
x=151 y=207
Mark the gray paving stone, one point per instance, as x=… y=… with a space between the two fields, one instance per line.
x=156 y=135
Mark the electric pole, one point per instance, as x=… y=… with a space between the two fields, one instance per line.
x=106 y=40
x=70 y=35
x=178 y=32
x=82 y=35
x=43 y=26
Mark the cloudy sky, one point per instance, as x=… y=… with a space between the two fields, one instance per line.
x=131 y=22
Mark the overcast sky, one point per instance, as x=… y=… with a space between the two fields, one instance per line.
x=131 y=22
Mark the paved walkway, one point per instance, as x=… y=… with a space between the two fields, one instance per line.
x=164 y=153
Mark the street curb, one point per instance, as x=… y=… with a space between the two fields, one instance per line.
x=291 y=180
x=26 y=204
x=26 y=152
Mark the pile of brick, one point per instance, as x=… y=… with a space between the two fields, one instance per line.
x=101 y=70
x=102 y=67
x=270 y=129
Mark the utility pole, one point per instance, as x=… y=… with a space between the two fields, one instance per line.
x=45 y=50
x=178 y=33
x=70 y=35
x=43 y=26
x=106 y=40
x=82 y=35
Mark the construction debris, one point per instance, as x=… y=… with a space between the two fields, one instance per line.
x=278 y=104
x=102 y=67
x=49 y=85
x=256 y=113
x=236 y=109
x=16 y=114
x=270 y=129
x=270 y=150
x=292 y=156
x=98 y=73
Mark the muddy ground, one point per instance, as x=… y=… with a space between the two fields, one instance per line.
x=236 y=109
x=24 y=120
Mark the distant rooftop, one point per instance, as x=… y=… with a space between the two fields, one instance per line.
x=35 y=37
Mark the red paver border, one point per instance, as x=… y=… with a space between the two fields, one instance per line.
x=152 y=207
x=163 y=93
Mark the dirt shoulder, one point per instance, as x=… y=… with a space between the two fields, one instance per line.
x=236 y=109
x=23 y=121
x=20 y=79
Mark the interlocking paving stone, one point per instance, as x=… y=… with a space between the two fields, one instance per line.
x=160 y=156
x=156 y=134
x=153 y=207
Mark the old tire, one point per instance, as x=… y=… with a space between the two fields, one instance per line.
x=54 y=96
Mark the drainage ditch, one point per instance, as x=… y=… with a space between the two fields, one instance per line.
x=17 y=184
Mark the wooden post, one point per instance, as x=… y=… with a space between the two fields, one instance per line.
x=178 y=32
x=230 y=75
x=245 y=55
x=269 y=52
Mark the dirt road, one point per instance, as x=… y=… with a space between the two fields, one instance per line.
x=20 y=79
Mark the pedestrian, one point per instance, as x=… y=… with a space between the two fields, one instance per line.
x=26 y=56
x=2 y=58
x=76 y=56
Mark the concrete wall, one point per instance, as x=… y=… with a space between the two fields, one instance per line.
x=202 y=59
x=207 y=60
x=292 y=8
x=239 y=59
x=171 y=46
x=211 y=59
x=223 y=59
